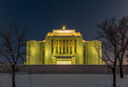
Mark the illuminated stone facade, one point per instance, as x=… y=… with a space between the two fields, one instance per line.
x=64 y=46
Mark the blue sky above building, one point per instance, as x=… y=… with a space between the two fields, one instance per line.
x=41 y=16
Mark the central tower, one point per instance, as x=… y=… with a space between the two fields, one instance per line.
x=63 y=46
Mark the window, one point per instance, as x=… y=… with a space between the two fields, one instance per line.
x=64 y=62
x=63 y=46
x=70 y=46
x=67 y=45
x=60 y=46
x=56 y=46
x=75 y=46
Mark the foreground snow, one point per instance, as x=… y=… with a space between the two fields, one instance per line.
x=62 y=80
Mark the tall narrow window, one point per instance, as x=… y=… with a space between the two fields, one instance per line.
x=52 y=46
x=70 y=46
x=63 y=46
x=75 y=46
x=56 y=46
x=60 y=46
x=67 y=45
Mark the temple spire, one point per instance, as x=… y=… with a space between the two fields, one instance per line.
x=63 y=27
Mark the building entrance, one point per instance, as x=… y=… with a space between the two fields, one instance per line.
x=64 y=62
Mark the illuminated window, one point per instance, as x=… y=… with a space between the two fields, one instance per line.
x=67 y=45
x=75 y=46
x=63 y=62
x=60 y=46
x=70 y=50
x=63 y=46
x=70 y=46
x=56 y=46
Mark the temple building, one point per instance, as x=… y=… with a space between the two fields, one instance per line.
x=64 y=46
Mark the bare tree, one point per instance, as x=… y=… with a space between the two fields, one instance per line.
x=108 y=30
x=12 y=45
x=123 y=43
x=119 y=29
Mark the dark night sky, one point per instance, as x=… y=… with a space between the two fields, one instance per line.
x=41 y=16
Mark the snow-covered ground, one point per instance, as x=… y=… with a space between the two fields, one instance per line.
x=62 y=80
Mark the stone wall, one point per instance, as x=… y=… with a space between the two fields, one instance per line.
x=61 y=69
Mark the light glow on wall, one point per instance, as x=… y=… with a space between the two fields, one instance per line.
x=63 y=62
x=63 y=31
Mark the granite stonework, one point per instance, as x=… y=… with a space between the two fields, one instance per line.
x=61 y=69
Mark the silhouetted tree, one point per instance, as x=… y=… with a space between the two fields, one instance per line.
x=12 y=47
x=123 y=43
x=113 y=34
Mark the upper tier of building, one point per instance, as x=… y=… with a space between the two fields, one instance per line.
x=64 y=32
